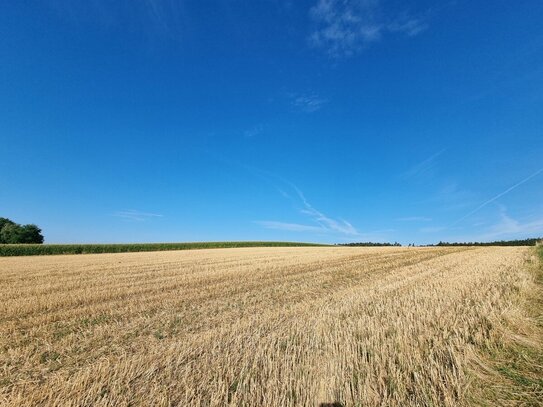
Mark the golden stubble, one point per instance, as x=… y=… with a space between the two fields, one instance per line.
x=253 y=327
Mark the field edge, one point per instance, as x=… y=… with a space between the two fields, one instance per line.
x=7 y=250
x=509 y=370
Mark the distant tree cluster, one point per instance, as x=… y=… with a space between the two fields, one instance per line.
x=524 y=242
x=11 y=232
x=367 y=244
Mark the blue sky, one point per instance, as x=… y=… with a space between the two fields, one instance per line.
x=321 y=120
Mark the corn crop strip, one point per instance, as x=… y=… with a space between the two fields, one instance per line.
x=50 y=249
x=252 y=326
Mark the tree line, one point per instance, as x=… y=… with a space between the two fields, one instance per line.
x=368 y=244
x=11 y=232
x=520 y=242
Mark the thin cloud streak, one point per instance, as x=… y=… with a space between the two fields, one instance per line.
x=291 y=227
x=509 y=227
x=339 y=226
x=291 y=192
x=308 y=103
x=325 y=223
x=135 y=215
x=424 y=166
x=497 y=196
x=414 y=219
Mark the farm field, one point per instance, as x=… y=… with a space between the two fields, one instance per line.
x=279 y=326
x=49 y=249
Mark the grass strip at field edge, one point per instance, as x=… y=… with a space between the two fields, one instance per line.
x=510 y=372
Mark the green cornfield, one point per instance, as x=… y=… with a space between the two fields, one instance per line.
x=48 y=249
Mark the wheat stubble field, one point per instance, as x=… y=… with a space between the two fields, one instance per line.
x=253 y=326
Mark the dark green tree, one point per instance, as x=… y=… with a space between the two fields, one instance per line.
x=31 y=234
x=11 y=232
x=5 y=221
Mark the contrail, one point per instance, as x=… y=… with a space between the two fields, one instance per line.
x=498 y=196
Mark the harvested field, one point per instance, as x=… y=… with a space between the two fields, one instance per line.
x=253 y=326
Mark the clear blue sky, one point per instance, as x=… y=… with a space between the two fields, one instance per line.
x=321 y=120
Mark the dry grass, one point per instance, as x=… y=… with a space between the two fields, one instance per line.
x=259 y=326
x=509 y=369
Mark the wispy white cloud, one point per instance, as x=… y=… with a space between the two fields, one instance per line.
x=424 y=166
x=254 y=131
x=283 y=193
x=308 y=102
x=414 y=219
x=344 y=27
x=337 y=227
x=451 y=198
x=291 y=227
x=508 y=227
x=333 y=225
x=481 y=206
x=322 y=223
x=135 y=215
x=408 y=25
